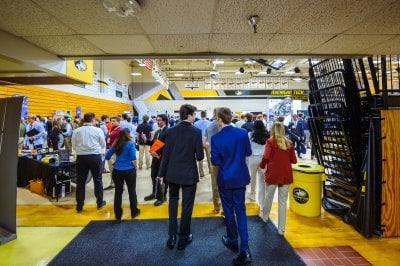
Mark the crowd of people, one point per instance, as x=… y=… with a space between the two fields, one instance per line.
x=240 y=151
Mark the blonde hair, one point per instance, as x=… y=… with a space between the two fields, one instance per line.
x=278 y=133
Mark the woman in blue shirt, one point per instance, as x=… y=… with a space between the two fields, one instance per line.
x=124 y=170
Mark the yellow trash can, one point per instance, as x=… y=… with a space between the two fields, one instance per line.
x=305 y=191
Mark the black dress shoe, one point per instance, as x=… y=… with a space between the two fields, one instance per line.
x=78 y=209
x=135 y=214
x=149 y=197
x=101 y=205
x=171 y=241
x=183 y=242
x=232 y=246
x=243 y=258
x=158 y=203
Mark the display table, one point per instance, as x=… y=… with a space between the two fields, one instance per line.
x=51 y=174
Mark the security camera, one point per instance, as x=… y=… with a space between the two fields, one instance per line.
x=297 y=70
x=241 y=70
x=253 y=22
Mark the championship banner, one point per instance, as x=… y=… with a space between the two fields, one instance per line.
x=81 y=70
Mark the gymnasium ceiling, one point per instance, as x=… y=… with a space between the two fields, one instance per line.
x=168 y=30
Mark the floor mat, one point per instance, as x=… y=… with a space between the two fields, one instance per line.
x=142 y=242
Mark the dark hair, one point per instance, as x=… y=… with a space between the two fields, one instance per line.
x=163 y=118
x=122 y=137
x=104 y=117
x=185 y=110
x=88 y=117
x=203 y=114
x=249 y=117
x=225 y=114
x=260 y=133
x=124 y=116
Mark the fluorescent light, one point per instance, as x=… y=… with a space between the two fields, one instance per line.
x=314 y=61
x=297 y=79
x=289 y=72
x=249 y=62
x=178 y=74
x=217 y=62
x=262 y=73
x=213 y=72
x=238 y=73
x=136 y=74
x=142 y=64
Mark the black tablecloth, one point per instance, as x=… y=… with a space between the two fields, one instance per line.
x=29 y=169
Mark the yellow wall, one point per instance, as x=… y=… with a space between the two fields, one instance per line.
x=45 y=102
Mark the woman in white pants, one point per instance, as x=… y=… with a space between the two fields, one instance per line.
x=277 y=159
x=258 y=138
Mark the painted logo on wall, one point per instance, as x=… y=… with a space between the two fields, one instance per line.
x=300 y=195
x=80 y=65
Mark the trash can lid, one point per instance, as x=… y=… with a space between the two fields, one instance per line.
x=308 y=168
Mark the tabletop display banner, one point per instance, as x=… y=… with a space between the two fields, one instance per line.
x=10 y=112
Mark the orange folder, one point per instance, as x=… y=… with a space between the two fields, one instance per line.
x=157 y=145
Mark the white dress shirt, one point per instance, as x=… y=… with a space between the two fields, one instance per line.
x=88 y=139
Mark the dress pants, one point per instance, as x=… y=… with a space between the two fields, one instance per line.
x=144 y=151
x=214 y=186
x=257 y=179
x=129 y=177
x=84 y=164
x=233 y=202
x=200 y=163
x=283 y=191
x=188 y=194
x=110 y=164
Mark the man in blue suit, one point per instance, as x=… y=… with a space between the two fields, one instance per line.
x=230 y=147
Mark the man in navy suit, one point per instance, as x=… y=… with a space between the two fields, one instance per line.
x=296 y=133
x=183 y=146
x=230 y=147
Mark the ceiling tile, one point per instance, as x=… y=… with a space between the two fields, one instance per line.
x=65 y=45
x=165 y=44
x=24 y=18
x=238 y=43
x=90 y=17
x=386 y=21
x=176 y=16
x=331 y=17
x=121 y=44
x=350 y=44
x=231 y=16
x=295 y=43
x=387 y=47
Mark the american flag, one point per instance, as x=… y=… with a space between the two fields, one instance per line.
x=148 y=63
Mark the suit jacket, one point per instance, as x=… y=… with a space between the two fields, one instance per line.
x=183 y=145
x=297 y=131
x=230 y=147
x=156 y=162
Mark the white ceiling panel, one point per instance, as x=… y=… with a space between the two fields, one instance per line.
x=239 y=43
x=388 y=47
x=24 y=18
x=121 y=44
x=332 y=17
x=176 y=16
x=65 y=45
x=295 y=43
x=350 y=44
x=231 y=16
x=385 y=21
x=90 y=17
x=180 y=43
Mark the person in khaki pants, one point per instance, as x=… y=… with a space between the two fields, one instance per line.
x=144 y=134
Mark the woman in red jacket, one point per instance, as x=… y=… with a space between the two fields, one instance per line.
x=277 y=159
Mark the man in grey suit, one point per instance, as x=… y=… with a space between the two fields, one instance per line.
x=183 y=146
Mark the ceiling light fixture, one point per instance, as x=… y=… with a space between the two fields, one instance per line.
x=262 y=73
x=136 y=74
x=217 y=62
x=178 y=74
x=213 y=72
x=239 y=73
x=122 y=8
x=297 y=79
